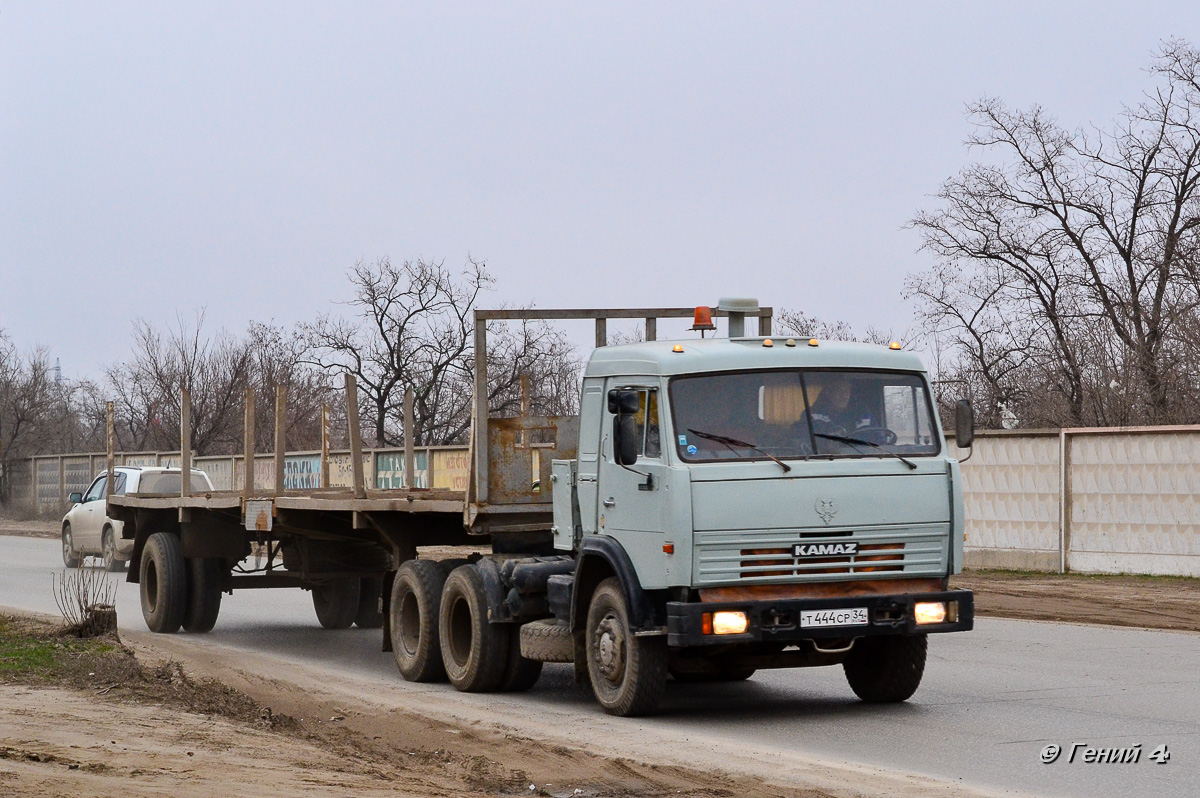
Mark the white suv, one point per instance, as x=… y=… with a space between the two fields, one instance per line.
x=87 y=529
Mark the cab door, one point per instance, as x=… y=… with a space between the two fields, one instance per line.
x=633 y=504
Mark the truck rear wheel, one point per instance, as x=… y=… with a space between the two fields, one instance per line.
x=204 y=593
x=887 y=669
x=336 y=602
x=519 y=673
x=628 y=674
x=474 y=651
x=163 y=583
x=369 y=615
x=413 y=613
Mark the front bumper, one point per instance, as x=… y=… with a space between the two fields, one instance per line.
x=779 y=620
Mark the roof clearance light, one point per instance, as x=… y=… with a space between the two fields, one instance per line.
x=677 y=348
x=894 y=345
x=812 y=341
x=790 y=342
x=768 y=342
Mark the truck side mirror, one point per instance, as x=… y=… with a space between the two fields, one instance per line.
x=964 y=424
x=624 y=404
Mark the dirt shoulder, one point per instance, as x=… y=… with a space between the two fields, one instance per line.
x=99 y=718
x=1152 y=602
x=39 y=528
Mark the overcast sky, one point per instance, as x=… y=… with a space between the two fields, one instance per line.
x=160 y=158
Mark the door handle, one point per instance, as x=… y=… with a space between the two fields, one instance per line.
x=610 y=502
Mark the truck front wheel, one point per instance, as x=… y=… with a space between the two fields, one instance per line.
x=628 y=673
x=887 y=669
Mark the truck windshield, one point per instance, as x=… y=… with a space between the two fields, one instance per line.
x=802 y=413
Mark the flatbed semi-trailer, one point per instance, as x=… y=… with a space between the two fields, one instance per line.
x=708 y=513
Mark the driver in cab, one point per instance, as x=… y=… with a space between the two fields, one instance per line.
x=832 y=412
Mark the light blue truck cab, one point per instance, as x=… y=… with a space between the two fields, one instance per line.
x=762 y=502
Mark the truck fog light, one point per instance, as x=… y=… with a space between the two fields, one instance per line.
x=729 y=623
x=930 y=612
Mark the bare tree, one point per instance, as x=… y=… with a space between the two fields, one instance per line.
x=414 y=326
x=216 y=371
x=801 y=325
x=1067 y=263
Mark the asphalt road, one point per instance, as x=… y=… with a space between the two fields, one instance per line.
x=991 y=700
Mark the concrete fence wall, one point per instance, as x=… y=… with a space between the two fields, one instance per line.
x=1120 y=500
x=42 y=484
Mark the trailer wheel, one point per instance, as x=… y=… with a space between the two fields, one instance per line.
x=474 y=651
x=336 y=602
x=111 y=563
x=520 y=673
x=413 y=614
x=369 y=615
x=71 y=557
x=628 y=674
x=886 y=669
x=163 y=578
x=204 y=593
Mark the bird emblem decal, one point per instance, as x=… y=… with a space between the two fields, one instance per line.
x=826 y=509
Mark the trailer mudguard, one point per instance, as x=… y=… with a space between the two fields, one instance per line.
x=599 y=558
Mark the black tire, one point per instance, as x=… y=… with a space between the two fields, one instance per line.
x=336 y=602
x=887 y=669
x=204 y=593
x=111 y=563
x=163 y=578
x=413 y=613
x=369 y=616
x=547 y=641
x=520 y=673
x=71 y=555
x=474 y=651
x=628 y=674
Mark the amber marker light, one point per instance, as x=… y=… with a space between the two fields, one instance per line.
x=930 y=612
x=767 y=342
x=668 y=548
x=677 y=348
x=894 y=345
x=812 y=341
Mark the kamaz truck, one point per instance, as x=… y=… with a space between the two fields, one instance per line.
x=717 y=507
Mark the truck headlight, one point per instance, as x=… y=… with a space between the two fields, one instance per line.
x=729 y=623
x=930 y=612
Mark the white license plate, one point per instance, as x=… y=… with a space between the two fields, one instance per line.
x=851 y=616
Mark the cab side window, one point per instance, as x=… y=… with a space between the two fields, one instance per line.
x=647 y=425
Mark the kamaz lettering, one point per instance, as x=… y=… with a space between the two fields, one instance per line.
x=823 y=549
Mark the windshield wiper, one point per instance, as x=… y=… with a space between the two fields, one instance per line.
x=844 y=439
x=732 y=442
